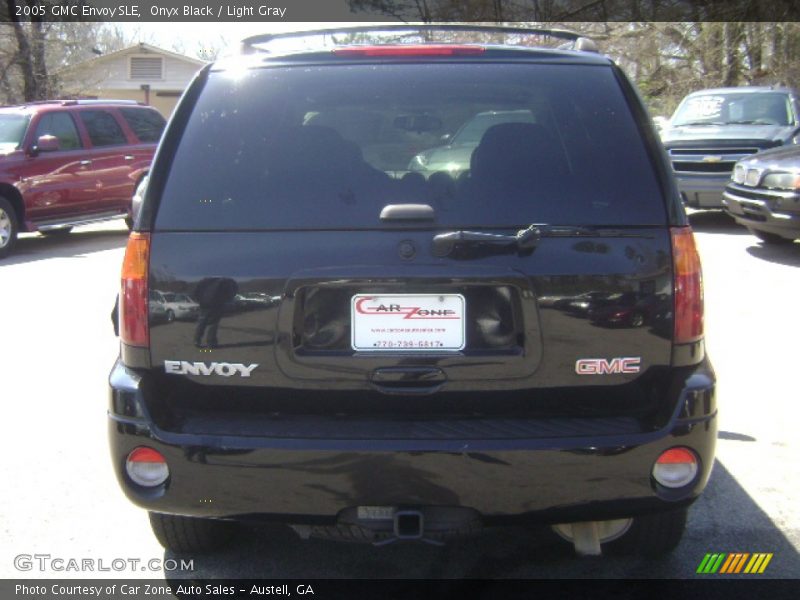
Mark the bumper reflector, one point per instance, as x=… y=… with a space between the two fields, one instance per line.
x=675 y=468
x=147 y=467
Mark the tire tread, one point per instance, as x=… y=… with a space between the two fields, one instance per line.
x=190 y=535
x=651 y=535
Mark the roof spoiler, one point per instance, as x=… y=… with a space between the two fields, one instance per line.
x=253 y=44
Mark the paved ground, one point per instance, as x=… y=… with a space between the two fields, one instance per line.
x=59 y=497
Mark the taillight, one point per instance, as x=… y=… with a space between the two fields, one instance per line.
x=410 y=50
x=133 y=317
x=688 y=287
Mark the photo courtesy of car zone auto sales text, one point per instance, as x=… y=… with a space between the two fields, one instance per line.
x=342 y=298
x=149 y=590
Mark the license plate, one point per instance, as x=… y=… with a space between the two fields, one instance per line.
x=408 y=322
x=735 y=208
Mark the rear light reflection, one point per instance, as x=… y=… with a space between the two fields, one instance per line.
x=133 y=309
x=688 y=286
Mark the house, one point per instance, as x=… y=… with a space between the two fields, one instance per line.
x=142 y=72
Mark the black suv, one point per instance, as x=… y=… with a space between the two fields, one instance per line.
x=413 y=373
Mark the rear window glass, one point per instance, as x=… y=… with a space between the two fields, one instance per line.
x=483 y=144
x=146 y=124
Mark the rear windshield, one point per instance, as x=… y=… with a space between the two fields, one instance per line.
x=486 y=145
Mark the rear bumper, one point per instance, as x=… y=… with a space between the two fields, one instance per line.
x=702 y=190
x=757 y=212
x=589 y=472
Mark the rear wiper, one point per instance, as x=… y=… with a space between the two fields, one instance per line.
x=524 y=241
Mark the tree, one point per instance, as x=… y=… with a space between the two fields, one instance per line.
x=33 y=53
x=718 y=44
x=30 y=52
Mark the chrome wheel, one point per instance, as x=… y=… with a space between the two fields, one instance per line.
x=6 y=228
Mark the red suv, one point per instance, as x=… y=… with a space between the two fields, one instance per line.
x=70 y=162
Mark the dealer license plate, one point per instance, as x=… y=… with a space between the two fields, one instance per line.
x=408 y=322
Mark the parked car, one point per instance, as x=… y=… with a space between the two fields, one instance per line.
x=624 y=309
x=157 y=307
x=764 y=195
x=412 y=388
x=71 y=162
x=180 y=306
x=454 y=157
x=713 y=129
x=581 y=304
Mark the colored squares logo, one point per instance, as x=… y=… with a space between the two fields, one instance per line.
x=734 y=563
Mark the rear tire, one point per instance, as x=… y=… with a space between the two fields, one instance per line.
x=651 y=535
x=9 y=227
x=190 y=535
x=771 y=238
x=57 y=232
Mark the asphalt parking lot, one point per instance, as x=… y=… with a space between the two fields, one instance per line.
x=59 y=496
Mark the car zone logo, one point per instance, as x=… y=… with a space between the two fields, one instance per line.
x=408 y=322
x=367 y=306
x=602 y=366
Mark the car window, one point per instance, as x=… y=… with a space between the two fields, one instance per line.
x=321 y=147
x=146 y=124
x=103 y=128
x=12 y=131
x=60 y=125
